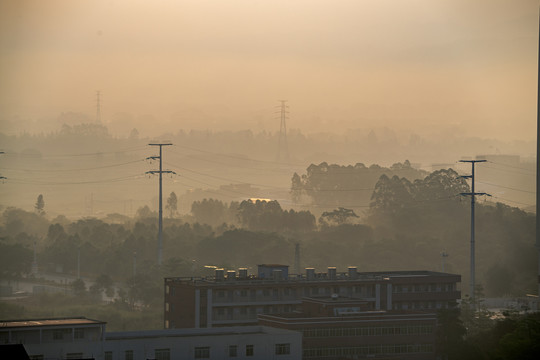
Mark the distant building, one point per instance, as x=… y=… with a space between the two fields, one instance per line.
x=81 y=338
x=341 y=328
x=237 y=298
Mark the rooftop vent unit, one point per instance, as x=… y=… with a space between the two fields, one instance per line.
x=310 y=273
x=220 y=273
x=353 y=273
x=243 y=273
x=332 y=273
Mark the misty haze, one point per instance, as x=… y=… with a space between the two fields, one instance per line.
x=315 y=159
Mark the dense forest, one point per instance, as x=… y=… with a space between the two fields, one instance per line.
x=406 y=226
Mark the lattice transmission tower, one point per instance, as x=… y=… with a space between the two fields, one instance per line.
x=283 y=147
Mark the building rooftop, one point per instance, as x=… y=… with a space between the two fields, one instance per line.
x=48 y=322
x=194 y=332
x=318 y=276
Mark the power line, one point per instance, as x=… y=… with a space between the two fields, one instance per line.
x=510 y=166
x=78 y=169
x=38 y=182
x=507 y=187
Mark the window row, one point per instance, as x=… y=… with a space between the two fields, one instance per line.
x=370 y=331
x=367 y=350
x=424 y=288
x=420 y=305
x=203 y=352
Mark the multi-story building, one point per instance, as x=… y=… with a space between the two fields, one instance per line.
x=231 y=298
x=81 y=338
x=340 y=328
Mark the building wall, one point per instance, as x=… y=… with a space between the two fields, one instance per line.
x=58 y=342
x=403 y=336
x=208 y=303
x=177 y=344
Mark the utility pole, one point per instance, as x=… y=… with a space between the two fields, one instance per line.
x=2 y=177
x=444 y=255
x=297 y=259
x=283 y=149
x=472 y=194
x=538 y=164
x=98 y=107
x=160 y=172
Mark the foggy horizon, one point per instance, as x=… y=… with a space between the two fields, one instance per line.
x=418 y=66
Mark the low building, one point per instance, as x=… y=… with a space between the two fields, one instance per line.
x=61 y=338
x=236 y=298
x=244 y=342
x=81 y=338
x=342 y=328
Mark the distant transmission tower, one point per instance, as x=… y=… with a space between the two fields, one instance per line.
x=160 y=172
x=283 y=149
x=98 y=107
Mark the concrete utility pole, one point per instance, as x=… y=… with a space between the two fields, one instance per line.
x=472 y=194
x=160 y=172
x=2 y=177
x=444 y=255
x=283 y=149
x=538 y=162
x=98 y=107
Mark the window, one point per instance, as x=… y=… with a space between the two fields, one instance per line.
x=74 y=355
x=249 y=350
x=79 y=333
x=163 y=354
x=243 y=293
x=128 y=355
x=58 y=334
x=233 y=351
x=203 y=352
x=283 y=349
x=108 y=355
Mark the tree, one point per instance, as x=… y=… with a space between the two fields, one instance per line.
x=103 y=283
x=210 y=211
x=79 y=287
x=338 y=217
x=172 y=204
x=40 y=205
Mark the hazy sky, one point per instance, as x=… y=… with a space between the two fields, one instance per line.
x=407 y=64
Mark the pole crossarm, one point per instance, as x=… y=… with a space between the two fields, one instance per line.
x=160 y=172
x=476 y=193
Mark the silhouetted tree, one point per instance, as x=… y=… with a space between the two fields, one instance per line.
x=40 y=205
x=337 y=217
x=172 y=204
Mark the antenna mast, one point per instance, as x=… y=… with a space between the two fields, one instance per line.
x=98 y=107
